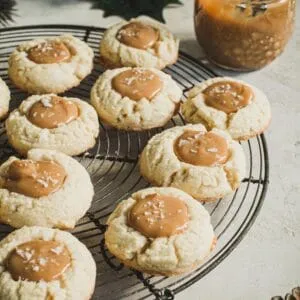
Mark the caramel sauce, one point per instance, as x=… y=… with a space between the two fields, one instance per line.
x=201 y=149
x=137 y=84
x=34 y=178
x=38 y=260
x=50 y=112
x=49 y=53
x=159 y=216
x=138 y=35
x=243 y=35
x=228 y=96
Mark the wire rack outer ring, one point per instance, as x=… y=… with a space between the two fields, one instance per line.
x=232 y=217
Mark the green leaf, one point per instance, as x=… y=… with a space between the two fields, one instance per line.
x=128 y=9
x=7 y=11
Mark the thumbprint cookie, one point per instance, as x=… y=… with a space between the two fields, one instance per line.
x=228 y=104
x=160 y=231
x=4 y=99
x=50 y=65
x=138 y=43
x=42 y=263
x=48 y=189
x=135 y=98
x=68 y=125
x=205 y=164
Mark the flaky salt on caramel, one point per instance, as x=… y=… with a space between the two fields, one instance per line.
x=49 y=52
x=138 y=35
x=34 y=178
x=228 y=96
x=201 y=148
x=52 y=111
x=159 y=216
x=38 y=260
x=137 y=84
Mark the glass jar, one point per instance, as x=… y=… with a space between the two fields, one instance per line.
x=243 y=34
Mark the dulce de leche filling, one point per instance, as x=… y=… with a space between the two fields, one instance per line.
x=137 y=84
x=49 y=53
x=242 y=34
x=34 y=178
x=159 y=216
x=201 y=149
x=50 y=112
x=138 y=35
x=38 y=260
x=228 y=96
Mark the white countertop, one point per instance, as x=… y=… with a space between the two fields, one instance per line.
x=266 y=263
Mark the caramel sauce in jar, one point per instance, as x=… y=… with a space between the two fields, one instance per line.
x=243 y=35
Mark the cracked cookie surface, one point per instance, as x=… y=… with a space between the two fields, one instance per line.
x=4 y=99
x=75 y=283
x=246 y=122
x=61 y=209
x=23 y=135
x=115 y=53
x=166 y=255
x=125 y=113
x=29 y=72
x=160 y=165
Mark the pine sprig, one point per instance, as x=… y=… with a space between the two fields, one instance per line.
x=7 y=11
x=128 y=9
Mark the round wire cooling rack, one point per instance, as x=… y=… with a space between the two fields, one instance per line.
x=113 y=166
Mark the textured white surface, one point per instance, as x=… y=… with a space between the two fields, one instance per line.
x=266 y=263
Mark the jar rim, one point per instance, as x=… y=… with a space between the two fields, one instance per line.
x=265 y=3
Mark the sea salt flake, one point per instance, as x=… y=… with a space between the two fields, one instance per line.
x=183 y=142
x=46 y=102
x=42 y=182
x=129 y=80
x=27 y=255
x=52 y=180
x=57 y=250
x=35 y=268
x=198 y=135
x=42 y=261
x=213 y=150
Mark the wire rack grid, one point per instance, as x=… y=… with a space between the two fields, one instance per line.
x=113 y=166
